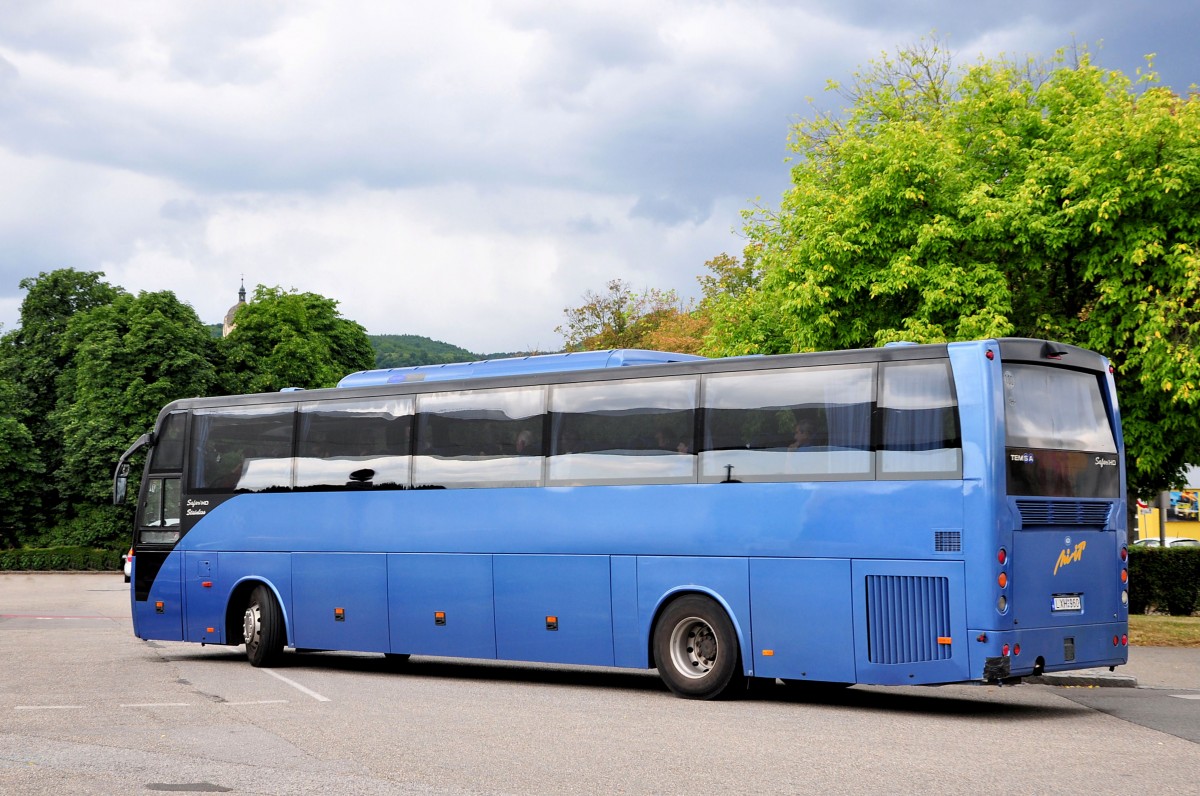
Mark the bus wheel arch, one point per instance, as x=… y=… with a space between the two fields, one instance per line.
x=696 y=647
x=254 y=616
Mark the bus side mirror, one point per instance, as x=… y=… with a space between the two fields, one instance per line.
x=120 y=485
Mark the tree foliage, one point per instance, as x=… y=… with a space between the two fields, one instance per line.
x=622 y=318
x=290 y=339
x=33 y=362
x=131 y=358
x=1008 y=197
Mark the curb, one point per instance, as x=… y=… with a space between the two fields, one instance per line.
x=1087 y=678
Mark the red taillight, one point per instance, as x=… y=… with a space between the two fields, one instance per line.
x=1016 y=649
x=1124 y=553
x=1124 y=640
x=1002 y=556
x=990 y=354
x=1005 y=650
x=1116 y=640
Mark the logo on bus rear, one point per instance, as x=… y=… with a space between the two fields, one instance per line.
x=1021 y=457
x=1069 y=555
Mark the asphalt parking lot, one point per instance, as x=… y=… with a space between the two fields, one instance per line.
x=87 y=708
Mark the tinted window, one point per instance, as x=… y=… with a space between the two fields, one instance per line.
x=159 y=512
x=630 y=431
x=810 y=423
x=168 y=446
x=357 y=444
x=1059 y=442
x=241 y=449
x=918 y=421
x=479 y=438
x=1055 y=408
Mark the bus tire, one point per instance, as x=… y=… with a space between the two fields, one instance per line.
x=696 y=649
x=262 y=628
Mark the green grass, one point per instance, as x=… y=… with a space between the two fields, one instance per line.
x=1153 y=630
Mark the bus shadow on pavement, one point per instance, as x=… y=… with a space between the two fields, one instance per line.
x=925 y=700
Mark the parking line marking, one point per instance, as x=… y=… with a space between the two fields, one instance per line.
x=48 y=707
x=158 y=705
x=259 y=702
x=296 y=686
x=1186 y=696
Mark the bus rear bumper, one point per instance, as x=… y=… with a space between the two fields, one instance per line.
x=998 y=656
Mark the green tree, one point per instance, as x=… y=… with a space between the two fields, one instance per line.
x=621 y=318
x=20 y=467
x=129 y=359
x=1008 y=197
x=289 y=339
x=33 y=360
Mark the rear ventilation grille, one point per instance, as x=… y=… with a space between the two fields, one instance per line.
x=947 y=541
x=1064 y=512
x=908 y=619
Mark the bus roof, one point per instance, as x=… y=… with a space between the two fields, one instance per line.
x=515 y=366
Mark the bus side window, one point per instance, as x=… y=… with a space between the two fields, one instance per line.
x=354 y=444
x=241 y=449
x=794 y=424
x=918 y=421
x=479 y=438
x=632 y=431
x=168 y=447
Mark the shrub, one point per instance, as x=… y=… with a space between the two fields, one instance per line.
x=1166 y=580
x=50 y=559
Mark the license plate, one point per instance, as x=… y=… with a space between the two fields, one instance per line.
x=1067 y=602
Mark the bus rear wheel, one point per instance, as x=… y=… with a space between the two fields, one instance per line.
x=696 y=649
x=262 y=628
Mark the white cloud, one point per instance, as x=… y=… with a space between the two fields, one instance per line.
x=485 y=270
x=462 y=170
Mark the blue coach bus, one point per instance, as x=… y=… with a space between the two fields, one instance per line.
x=912 y=514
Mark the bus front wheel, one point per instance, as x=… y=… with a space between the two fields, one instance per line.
x=262 y=628
x=696 y=649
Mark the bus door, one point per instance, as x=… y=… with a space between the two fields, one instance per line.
x=157 y=596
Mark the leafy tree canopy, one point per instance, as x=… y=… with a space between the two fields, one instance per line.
x=131 y=358
x=621 y=318
x=290 y=339
x=1005 y=197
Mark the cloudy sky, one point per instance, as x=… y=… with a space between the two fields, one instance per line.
x=462 y=169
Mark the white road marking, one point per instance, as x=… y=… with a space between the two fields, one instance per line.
x=259 y=702
x=296 y=686
x=157 y=705
x=48 y=707
x=1186 y=696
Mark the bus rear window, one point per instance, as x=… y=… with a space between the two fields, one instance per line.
x=1052 y=408
x=1059 y=440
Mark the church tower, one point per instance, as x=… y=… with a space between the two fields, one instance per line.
x=227 y=326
